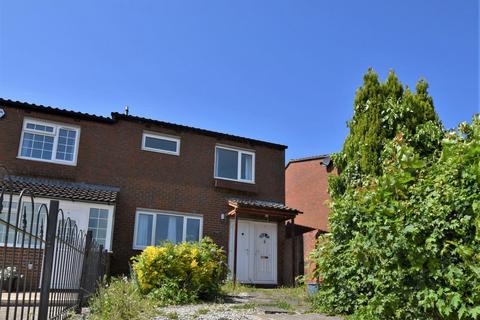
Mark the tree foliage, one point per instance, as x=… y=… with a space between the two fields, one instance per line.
x=381 y=110
x=405 y=229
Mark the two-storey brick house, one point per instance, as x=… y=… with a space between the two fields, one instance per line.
x=136 y=182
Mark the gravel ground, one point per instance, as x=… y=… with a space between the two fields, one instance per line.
x=242 y=306
x=223 y=311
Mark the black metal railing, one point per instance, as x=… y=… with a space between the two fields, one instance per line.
x=48 y=267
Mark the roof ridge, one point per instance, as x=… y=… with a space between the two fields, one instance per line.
x=317 y=157
x=115 y=116
x=320 y=156
x=264 y=201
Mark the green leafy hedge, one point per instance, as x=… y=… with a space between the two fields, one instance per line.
x=181 y=273
x=406 y=244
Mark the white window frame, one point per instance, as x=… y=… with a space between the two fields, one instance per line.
x=12 y=222
x=162 y=137
x=239 y=164
x=55 y=134
x=154 y=213
x=97 y=228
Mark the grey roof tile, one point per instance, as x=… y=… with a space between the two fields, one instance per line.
x=60 y=189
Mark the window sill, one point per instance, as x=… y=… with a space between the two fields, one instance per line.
x=235 y=185
x=71 y=164
x=172 y=153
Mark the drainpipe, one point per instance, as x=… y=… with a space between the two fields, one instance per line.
x=293 y=252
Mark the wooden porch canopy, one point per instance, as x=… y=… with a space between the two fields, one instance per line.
x=261 y=210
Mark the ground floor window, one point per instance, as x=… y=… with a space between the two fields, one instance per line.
x=97 y=223
x=152 y=228
x=32 y=221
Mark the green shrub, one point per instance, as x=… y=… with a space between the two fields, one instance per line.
x=406 y=244
x=120 y=299
x=181 y=273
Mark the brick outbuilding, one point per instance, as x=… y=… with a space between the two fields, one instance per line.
x=306 y=188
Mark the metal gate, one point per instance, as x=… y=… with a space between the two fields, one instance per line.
x=48 y=267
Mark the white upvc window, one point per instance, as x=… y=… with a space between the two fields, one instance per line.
x=160 y=143
x=153 y=228
x=49 y=142
x=234 y=164
x=32 y=221
x=98 y=224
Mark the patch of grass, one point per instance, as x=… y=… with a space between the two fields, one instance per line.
x=298 y=292
x=202 y=311
x=285 y=298
x=172 y=315
x=228 y=288
x=244 y=306
x=120 y=299
x=284 y=305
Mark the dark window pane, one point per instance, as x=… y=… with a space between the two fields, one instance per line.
x=160 y=144
x=47 y=155
x=102 y=223
x=168 y=228
x=144 y=229
x=103 y=213
x=193 y=230
x=227 y=163
x=101 y=233
x=36 y=153
x=247 y=167
x=63 y=133
x=92 y=223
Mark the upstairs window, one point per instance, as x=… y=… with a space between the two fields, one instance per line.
x=234 y=164
x=160 y=143
x=49 y=142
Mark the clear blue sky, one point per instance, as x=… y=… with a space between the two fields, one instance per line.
x=281 y=71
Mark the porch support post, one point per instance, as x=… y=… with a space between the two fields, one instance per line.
x=294 y=263
x=235 y=245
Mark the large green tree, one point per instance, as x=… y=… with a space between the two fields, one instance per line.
x=381 y=111
x=405 y=219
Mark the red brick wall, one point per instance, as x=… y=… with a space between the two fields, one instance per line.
x=309 y=241
x=306 y=189
x=111 y=154
x=21 y=259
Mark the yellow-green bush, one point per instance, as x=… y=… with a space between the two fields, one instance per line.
x=181 y=273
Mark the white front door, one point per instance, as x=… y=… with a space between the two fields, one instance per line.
x=265 y=252
x=256 y=252
x=243 y=251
